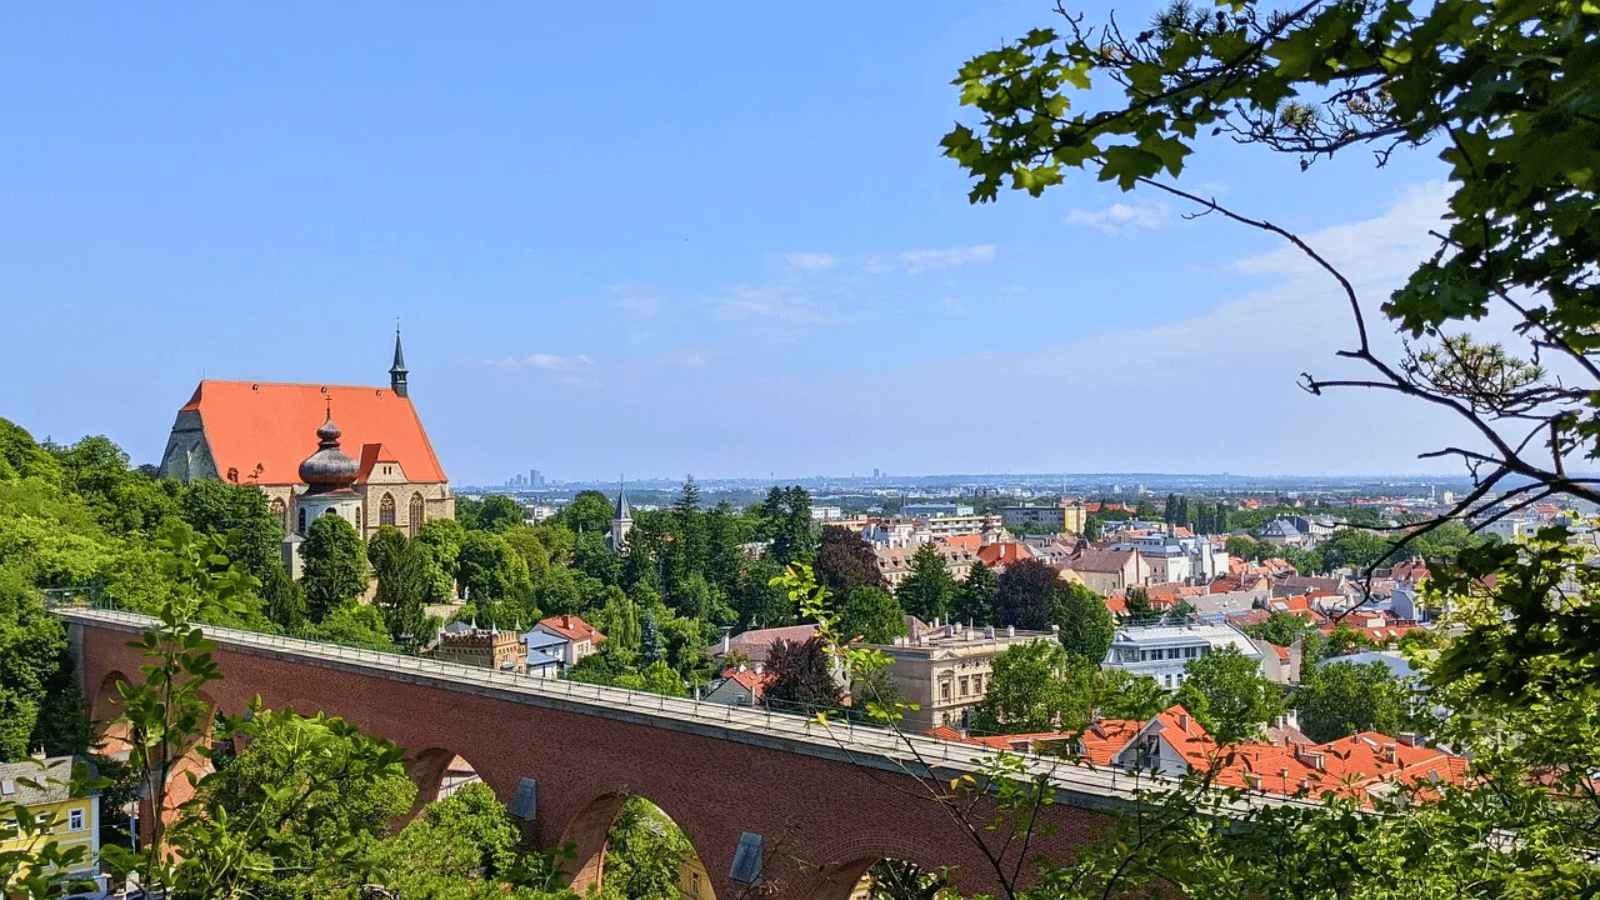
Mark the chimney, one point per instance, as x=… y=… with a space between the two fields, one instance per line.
x=760 y=668
x=742 y=667
x=1391 y=755
x=1311 y=758
x=566 y=621
x=725 y=643
x=1410 y=738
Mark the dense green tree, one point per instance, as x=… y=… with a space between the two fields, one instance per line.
x=1085 y=621
x=494 y=512
x=650 y=647
x=351 y=624
x=445 y=536
x=1281 y=628
x=871 y=614
x=1139 y=608
x=977 y=595
x=802 y=676
x=645 y=854
x=590 y=512
x=654 y=678
x=1029 y=596
x=31 y=646
x=463 y=847
x=759 y=603
x=488 y=569
x=283 y=600
x=786 y=522
x=1335 y=700
x=1035 y=687
x=319 y=815
x=125 y=501
x=928 y=592
x=405 y=588
x=216 y=507
x=384 y=545
x=1241 y=546
x=727 y=531
x=335 y=565
x=845 y=561
x=1121 y=694
x=1228 y=695
x=22 y=457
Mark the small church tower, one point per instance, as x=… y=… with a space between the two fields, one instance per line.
x=397 y=372
x=621 y=523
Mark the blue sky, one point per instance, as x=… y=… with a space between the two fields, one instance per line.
x=663 y=239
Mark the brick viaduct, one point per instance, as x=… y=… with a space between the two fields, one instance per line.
x=826 y=803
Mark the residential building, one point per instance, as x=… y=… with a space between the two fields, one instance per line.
x=930 y=510
x=946 y=670
x=827 y=513
x=74 y=821
x=582 y=638
x=1361 y=767
x=547 y=653
x=752 y=646
x=1034 y=519
x=740 y=685
x=1104 y=571
x=1162 y=651
x=484 y=648
x=261 y=433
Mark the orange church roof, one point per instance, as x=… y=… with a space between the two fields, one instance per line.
x=264 y=430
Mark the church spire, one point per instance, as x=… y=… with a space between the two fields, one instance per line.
x=397 y=372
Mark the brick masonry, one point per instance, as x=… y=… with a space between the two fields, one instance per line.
x=823 y=820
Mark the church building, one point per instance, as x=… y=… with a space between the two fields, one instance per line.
x=282 y=439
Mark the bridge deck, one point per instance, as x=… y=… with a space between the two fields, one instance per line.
x=1075 y=784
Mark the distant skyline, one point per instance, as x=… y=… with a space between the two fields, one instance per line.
x=710 y=238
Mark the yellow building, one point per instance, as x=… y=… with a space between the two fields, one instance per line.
x=71 y=821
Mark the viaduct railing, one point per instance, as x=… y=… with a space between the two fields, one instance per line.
x=1075 y=783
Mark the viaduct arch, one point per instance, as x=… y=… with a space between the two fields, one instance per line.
x=823 y=809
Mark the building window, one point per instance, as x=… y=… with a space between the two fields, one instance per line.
x=944 y=690
x=75 y=820
x=965 y=686
x=358 y=518
x=300 y=520
x=386 y=510
x=416 y=513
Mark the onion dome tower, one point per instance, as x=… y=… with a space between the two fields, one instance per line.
x=330 y=476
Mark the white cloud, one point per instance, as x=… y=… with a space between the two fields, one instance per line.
x=1224 y=380
x=634 y=303
x=953 y=306
x=547 y=362
x=810 y=262
x=915 y=261
x=1122 y=219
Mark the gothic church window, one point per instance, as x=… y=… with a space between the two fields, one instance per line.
x=416 y=513
x=281 y=513
x=386 y=510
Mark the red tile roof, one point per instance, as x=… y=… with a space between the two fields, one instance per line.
x=1000 y=554
x=752 y=681
x=263 y=430
x=573 y=628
